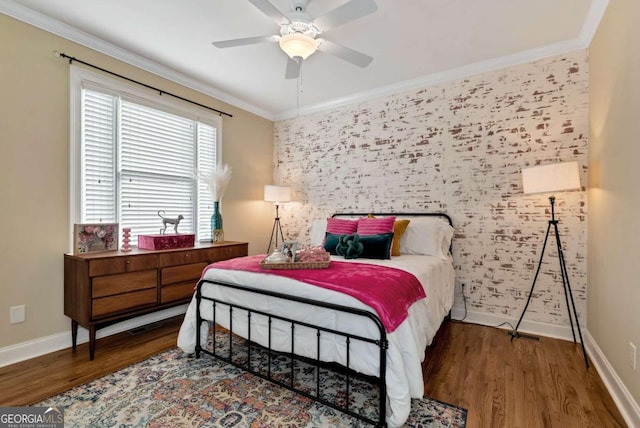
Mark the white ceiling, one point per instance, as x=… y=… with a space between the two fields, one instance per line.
x=413 y=42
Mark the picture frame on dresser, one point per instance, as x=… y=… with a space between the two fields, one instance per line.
x=94 y=237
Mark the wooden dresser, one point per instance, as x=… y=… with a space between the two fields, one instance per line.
x=104 y=288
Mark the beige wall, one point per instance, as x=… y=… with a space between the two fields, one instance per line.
x=34 y=173
x=614 y=197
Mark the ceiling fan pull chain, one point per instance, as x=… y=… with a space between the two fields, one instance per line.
x=298 y=92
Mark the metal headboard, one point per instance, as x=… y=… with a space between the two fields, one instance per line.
x=441 y=215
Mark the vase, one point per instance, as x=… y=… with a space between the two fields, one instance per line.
x=217 y=234
x=126 y=239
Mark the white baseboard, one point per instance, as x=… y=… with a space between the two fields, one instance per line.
x=619 y=393
x=55 y=342
x=628 y=407
x=530 y=327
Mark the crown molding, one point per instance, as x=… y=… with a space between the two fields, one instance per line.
x=65 y=31
x=441 y=77
x=592 y=21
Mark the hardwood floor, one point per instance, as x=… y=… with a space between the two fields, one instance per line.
x=519 y=383
x=523 y=383
x=33 y=380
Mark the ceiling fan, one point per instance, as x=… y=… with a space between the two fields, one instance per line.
x=299 y=35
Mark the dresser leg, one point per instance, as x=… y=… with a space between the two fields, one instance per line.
x=74 y=334
x=92 y=341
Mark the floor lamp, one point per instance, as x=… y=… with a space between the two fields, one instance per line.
x=277 y=195
x=557 y=177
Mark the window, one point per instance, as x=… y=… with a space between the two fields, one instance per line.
x=135 y=154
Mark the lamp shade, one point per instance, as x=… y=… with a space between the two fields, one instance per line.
x=277 y=193
x=556 y=177
x=298 y=45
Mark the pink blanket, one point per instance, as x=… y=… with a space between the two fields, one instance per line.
x=389 y=291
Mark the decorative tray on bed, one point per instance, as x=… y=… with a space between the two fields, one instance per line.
x=295 y=265
x=309 y=259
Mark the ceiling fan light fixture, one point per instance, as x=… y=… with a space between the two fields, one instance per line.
x=298 y=45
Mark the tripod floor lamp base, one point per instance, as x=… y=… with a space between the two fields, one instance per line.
x=568 y=294
x=277 y=229
x=277 y=195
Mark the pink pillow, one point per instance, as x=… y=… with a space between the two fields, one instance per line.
x=375 y=226
x=340 y=226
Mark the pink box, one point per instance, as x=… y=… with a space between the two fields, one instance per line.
x=166 y=242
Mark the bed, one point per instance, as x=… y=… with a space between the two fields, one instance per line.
x=287 y=316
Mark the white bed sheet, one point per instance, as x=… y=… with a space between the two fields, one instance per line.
x=406 y=344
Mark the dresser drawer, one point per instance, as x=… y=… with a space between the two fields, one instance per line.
x=123 y=283
x=175 y=274
x=123 y=302
x=114 y=265
x=174 y=292
x=182 y=257
x=225 y=253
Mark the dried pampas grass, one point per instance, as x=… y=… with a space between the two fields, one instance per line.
x=218 y=181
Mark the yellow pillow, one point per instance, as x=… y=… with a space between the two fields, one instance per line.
x=399 y=227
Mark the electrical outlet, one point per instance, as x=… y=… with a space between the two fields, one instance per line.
x=633 y=356
x=17 y=314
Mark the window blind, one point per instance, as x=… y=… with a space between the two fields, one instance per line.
x=206 y=163
x=98 y=158
x=139 y=160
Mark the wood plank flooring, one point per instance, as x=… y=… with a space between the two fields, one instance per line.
x=519 y=383
x=523 y=383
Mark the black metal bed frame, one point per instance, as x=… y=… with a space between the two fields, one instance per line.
x=381 y=341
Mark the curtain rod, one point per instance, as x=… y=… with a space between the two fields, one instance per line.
x=160 y=91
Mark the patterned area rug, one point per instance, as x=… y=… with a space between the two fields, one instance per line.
x=173 y=389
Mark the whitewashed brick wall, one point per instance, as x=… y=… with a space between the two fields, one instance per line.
x=458 y=147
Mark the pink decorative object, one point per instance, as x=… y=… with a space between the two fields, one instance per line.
x=166 y=242
x=126 y=238
x=312 y=254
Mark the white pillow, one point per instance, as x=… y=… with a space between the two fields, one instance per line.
x=447 y=235
x=430 y=236
x=317 y=231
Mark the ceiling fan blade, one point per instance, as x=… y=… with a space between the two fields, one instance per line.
x=293 y=68
x=347 y=12
x=270 y=10
x=344 y=53
x=247 y=41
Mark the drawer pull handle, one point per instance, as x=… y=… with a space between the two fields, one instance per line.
x=128 y=261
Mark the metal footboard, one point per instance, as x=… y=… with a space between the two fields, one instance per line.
x=380 y=342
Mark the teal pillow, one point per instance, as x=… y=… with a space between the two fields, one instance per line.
x=376 y=246
x=349 y=246
x=373 y=246
x=330 y=242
